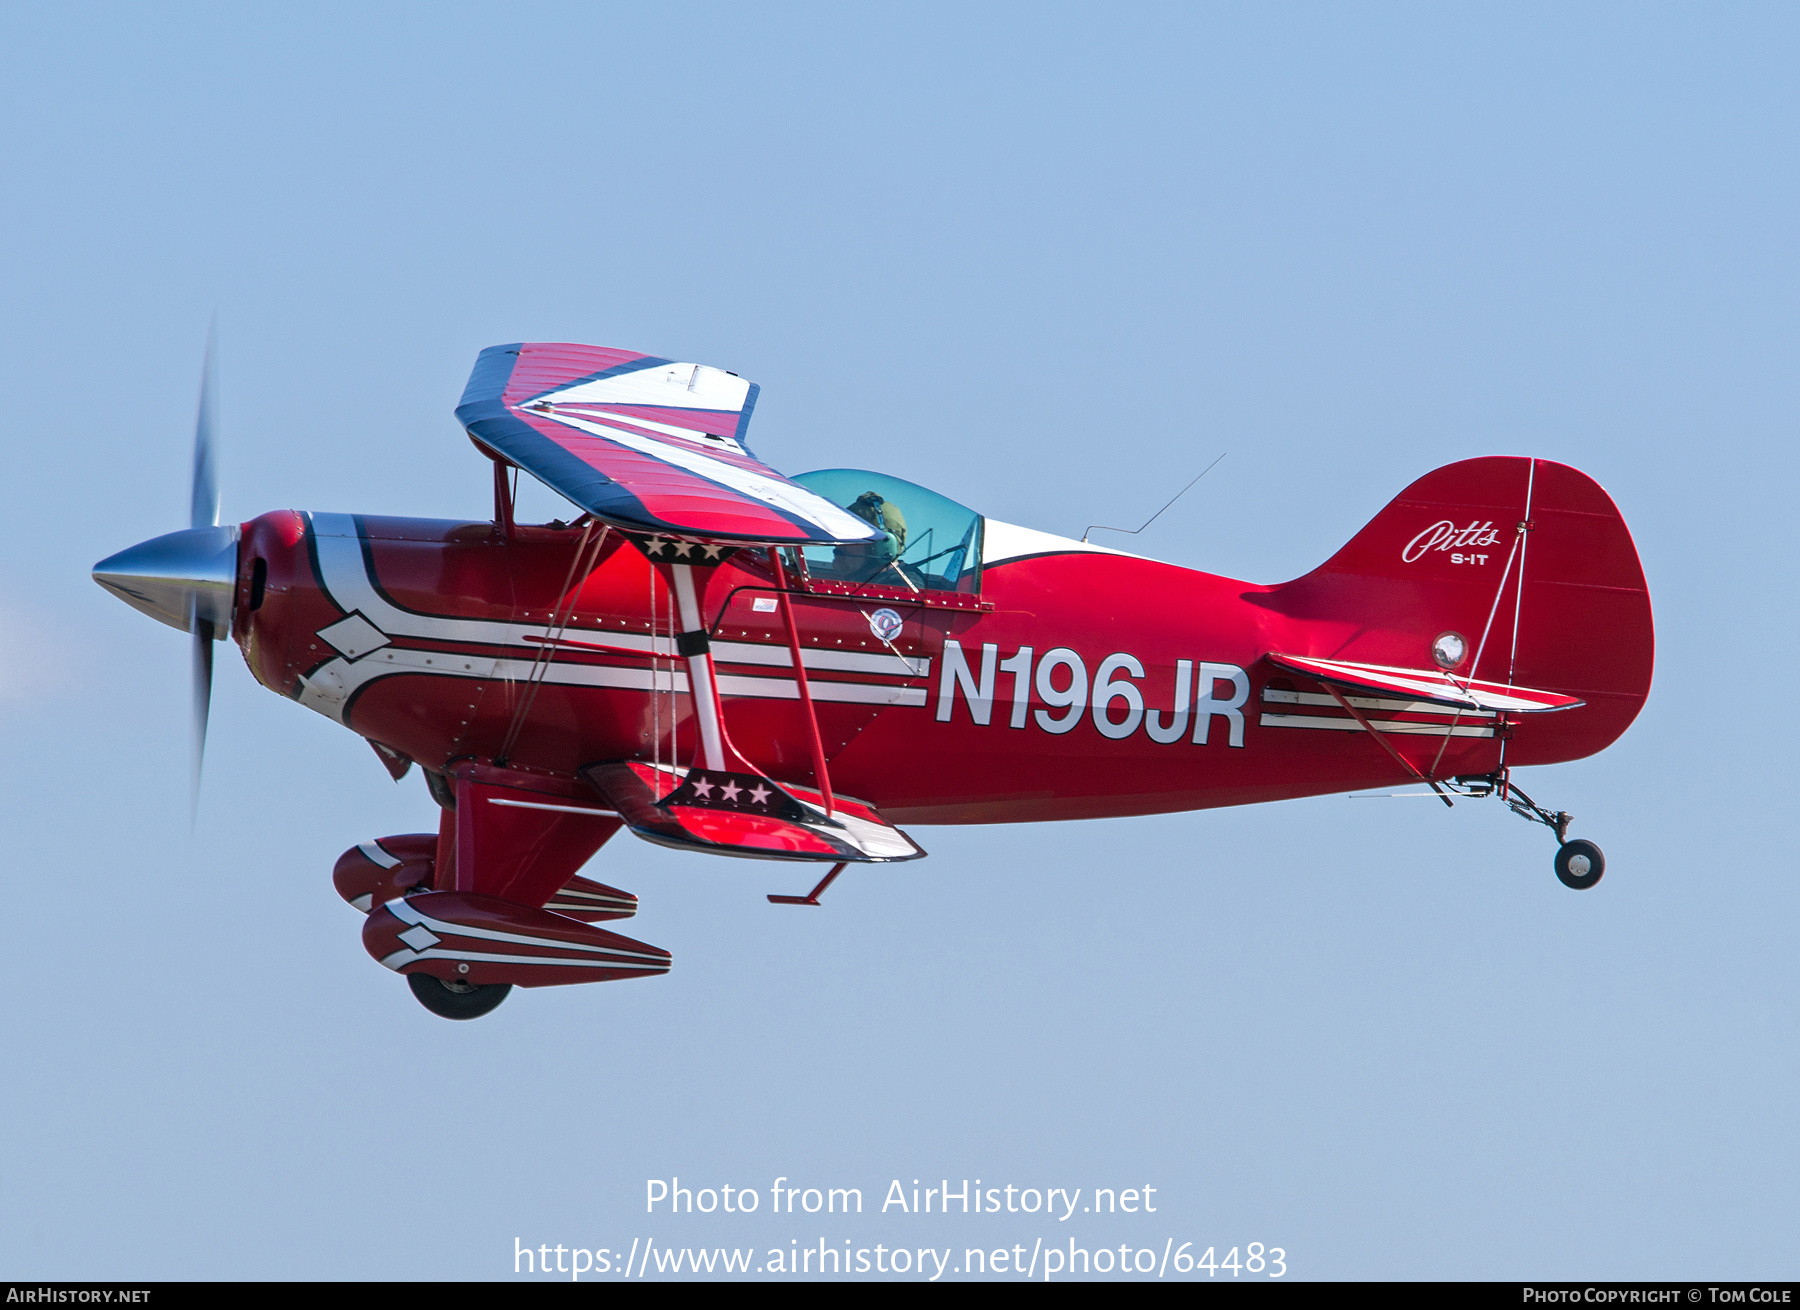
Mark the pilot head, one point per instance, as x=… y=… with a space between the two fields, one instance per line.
x=883 y=514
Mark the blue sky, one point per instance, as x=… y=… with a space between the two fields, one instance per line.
x=1048 y=260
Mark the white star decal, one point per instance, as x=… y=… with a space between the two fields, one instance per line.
x=656 y=545
x=712 y=552
x=684 y=549
x=730 y=791
x=759 y=794
x=703 y=788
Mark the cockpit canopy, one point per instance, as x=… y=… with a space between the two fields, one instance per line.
x=931 y=543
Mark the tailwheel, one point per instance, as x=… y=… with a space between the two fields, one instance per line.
x=456 y=1000
x=1579 y=864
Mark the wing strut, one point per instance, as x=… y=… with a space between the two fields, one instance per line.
x=692 y=644
x=806 y=701
x=503 y=499
x=722 y=802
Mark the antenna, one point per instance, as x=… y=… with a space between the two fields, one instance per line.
x=1101 y=527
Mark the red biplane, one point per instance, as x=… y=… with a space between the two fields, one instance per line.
x=726 y=660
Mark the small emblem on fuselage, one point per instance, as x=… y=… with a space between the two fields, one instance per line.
x=886 y=624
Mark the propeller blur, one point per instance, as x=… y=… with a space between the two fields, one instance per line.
x=186 y=579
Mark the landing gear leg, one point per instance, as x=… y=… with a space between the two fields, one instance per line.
x=1579 y=863
x=456 y=1000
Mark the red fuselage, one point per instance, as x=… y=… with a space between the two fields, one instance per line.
x=1052 y=687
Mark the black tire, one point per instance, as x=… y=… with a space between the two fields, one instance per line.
x=1579 y=864
x=456 y=1000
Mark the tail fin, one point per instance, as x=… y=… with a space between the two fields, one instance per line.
x=1529 y=562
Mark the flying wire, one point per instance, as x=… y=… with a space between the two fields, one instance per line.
x=657 y=672
x=1512 y=658
x=582 y=562
x=1499 y=591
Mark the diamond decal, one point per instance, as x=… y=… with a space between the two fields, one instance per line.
x=353 y=636
x=419 y=937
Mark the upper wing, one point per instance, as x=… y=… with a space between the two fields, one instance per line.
x=1428 y=685
x=643 y=443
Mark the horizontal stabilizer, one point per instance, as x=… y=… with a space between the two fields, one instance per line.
x=645 y=444
x=592 y=902
x=746 y=815
x=1428 y=685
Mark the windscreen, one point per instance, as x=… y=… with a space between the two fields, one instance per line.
x=929 y=542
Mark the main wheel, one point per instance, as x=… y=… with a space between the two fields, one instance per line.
x=456 y=1000
x=1579 y=864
